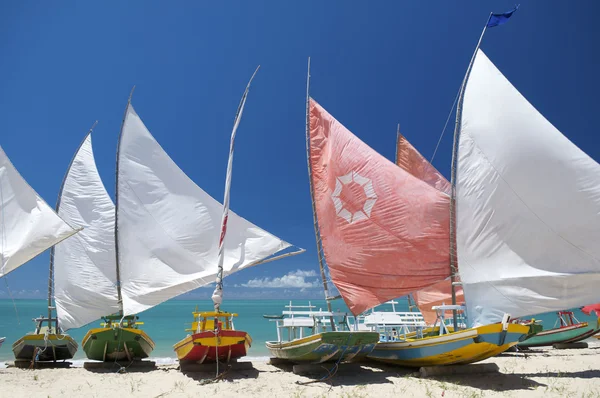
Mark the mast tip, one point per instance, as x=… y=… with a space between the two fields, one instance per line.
x=131 y=93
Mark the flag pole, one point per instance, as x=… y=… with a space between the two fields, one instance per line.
x=457 y=126
x=217 y=295
x=312 y=199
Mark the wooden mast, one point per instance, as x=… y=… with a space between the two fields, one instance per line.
x=328 y=298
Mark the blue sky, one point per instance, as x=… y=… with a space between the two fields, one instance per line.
x=374 y=64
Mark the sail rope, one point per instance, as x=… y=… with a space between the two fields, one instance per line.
x=330 y=372
x=444 y=129
x=219 y=376
x=12 y=299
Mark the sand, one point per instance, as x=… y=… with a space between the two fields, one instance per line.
x=543 y=372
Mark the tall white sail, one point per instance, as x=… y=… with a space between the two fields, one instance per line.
x=28 y=226
x=168 y=227
x=528 y=211
x=85 y=266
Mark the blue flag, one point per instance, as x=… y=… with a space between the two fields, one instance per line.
x=500 y=19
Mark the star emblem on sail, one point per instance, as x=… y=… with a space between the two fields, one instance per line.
x=365 y=210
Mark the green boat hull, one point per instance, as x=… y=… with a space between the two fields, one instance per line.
x=550 y=337
x=326 y=347
x=117 y=344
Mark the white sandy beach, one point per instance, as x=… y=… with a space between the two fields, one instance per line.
x=542 y=372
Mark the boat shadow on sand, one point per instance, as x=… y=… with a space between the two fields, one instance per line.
x=492 y=381
x=500 y=382
x=120 y=367
x=346 y=374
x=225 y=373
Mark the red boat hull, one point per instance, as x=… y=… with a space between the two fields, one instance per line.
x=204 y=347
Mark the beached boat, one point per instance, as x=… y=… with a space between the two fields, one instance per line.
x=45 y=343
x=216 y=339
x=168 y=224
x=31 y=227
x=236 y=244
x=567 y=330
x=498 y=200
x=308 y=336
x=86 y=272
x=363 y=198
x=207 y=343
x=118 y=339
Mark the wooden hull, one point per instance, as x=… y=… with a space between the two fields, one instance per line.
x=117 y=344
x=567 y=334
x=204 y=347
x=326 y=347
x=463 y=347
x=51 y=348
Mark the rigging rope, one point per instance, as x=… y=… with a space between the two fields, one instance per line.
x=12 y=299
x=330 y=372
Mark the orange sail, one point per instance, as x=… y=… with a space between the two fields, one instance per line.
x=412 y=161
x=385 y=233
x=409 y=159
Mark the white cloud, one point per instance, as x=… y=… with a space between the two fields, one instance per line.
x=306 y=273
x=294 y=279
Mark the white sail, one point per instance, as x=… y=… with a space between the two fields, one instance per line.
x=28 y=226
x=85 y=266
x=528 y=211
x=168 y=227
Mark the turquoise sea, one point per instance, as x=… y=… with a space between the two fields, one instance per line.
x=166 y=323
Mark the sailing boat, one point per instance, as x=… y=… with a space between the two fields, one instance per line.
x=567 y=329
x=402 y=234
x=509 y=160
x=167 y=224
x=86 y=277
x=28 y=226
x=214 y=337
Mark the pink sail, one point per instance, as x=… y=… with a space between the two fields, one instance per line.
x=385 y=233
x=588 y=309
x=411 y=160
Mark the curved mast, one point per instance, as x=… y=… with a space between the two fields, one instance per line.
x=51 y=268
x=119 y=296
x=217 y=296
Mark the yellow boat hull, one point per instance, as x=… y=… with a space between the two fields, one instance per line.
x=465 y=346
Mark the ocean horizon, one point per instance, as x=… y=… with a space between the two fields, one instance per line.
x=166 y=323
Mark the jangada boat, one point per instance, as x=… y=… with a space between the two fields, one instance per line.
x=505 y=166
x=30 y=227
x=391 y=199
x=86 y=270
x=167 y=224
x=566 y=330
x=308 y=336
x=209 y=341
x=221 y=250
